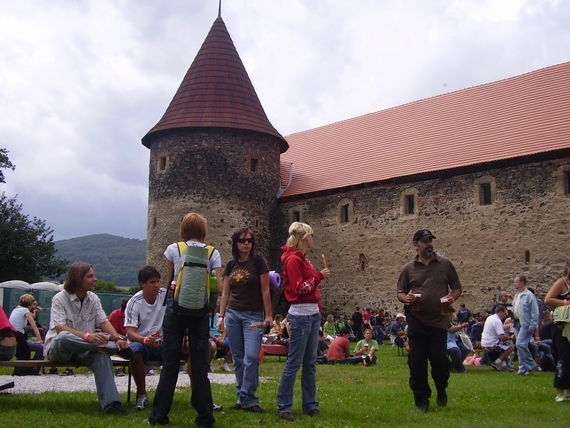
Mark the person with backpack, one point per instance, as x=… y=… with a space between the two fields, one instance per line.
x=186 y=316
x=245 y=309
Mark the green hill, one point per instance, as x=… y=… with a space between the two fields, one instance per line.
x=114 y=258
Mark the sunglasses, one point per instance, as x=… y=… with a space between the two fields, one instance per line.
x=244 y=240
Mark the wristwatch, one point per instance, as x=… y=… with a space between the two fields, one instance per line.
x=119 y=338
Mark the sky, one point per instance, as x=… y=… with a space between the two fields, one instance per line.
x=81 y=82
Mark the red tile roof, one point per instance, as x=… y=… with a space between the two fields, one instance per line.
x=216 y=92
x=519 y=116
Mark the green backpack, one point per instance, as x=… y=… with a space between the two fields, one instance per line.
x=193 y=294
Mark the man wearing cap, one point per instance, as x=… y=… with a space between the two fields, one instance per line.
x=432 y=277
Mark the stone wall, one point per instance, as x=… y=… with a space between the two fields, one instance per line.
x=524 y=231
x=208 y=171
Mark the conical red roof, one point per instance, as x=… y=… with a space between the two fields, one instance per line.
x=216 y=92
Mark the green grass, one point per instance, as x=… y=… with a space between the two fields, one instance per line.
x=349 y=396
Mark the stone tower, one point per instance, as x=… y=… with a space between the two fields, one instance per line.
x=214 y=152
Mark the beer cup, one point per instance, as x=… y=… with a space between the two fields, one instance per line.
x=416 y=303
x=444 y=305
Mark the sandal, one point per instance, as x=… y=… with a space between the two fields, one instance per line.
x=53 y=370
x=68 y=372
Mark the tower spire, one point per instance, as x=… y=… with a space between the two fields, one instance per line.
x=220 y=9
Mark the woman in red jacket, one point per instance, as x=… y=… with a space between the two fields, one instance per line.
x=300 y=281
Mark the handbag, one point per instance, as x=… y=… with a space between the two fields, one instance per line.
x=465 y=339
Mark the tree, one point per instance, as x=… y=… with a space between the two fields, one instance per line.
x=27 y=250
x=5 y=163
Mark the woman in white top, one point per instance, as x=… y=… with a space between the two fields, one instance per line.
x=19 y=318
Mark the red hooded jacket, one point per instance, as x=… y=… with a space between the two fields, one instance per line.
x=300 y=279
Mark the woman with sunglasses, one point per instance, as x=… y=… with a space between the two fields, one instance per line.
x=300 y=281
x=245 y=301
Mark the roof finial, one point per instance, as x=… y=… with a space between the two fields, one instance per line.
x=220 y=9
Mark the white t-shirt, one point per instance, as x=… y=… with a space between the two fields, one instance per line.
x=172 y=254
x=18 y=318
x=491 y=331
x=145 y=317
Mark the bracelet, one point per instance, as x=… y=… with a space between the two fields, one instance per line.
x=119 y=338
x=145 y=340
x=86 y=336
x=565 y=302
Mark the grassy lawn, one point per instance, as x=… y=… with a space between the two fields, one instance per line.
x=350 y=396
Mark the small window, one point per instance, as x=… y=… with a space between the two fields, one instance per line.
x=254 y=165
x=486 y=194
x=344 y=213
x=410 y=203
x=296 y=216
x=485 y=191
x=563 y=181
x=162 y=163
x=566 y=183
x=256 y=224
x=527 y=257
x=296 y=213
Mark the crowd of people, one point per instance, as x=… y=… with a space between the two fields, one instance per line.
x=150 y=326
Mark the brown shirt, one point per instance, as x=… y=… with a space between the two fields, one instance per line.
x=245 y=285
x=433 y=282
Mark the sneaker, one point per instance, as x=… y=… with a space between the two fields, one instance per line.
x=497 y=367
x=116 y=409
x=217 y=407
x=150 y=372
x=314 y=412
x=236 y=406
x=225 y=367
x=422 y=408
x=142 y=402
x=560 y=398
x=531 y=371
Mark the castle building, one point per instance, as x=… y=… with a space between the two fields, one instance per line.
x=486 y=169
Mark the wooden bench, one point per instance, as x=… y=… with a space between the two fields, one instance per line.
x=116 y=361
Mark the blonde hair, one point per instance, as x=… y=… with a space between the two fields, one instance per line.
x=193 y=226
x=26 y=300
x=298 y=234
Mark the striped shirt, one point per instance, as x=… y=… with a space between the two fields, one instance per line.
x=66 y=309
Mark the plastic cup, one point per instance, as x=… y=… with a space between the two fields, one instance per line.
x=108 y=337
x=444 y=305
x=416 y=306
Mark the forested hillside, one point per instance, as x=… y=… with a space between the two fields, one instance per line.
x=114 y=258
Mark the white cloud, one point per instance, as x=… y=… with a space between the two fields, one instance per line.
x=82 y=82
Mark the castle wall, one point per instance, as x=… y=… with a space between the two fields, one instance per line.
x=524 y=231
x=209 y=171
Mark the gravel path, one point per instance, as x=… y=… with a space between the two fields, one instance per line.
x=86 y=382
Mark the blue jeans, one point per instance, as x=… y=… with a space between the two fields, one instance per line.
x=68 y=347
x=38 y=348
x=7 y=352
x=174 y=329
x=303 y=344
x=526 y=362
x=245 y=343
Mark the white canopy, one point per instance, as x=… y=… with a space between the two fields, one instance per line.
x=15 y=283
x=23 y=285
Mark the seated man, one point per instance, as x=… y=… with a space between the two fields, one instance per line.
x=143 y=321
x=495 y=340
x=339 y=350
x=367 y=347
x=397 y=335
x=75 y=314
x=219 y=341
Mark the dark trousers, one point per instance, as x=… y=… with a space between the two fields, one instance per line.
x=174 y=329
x=426 y=344
x=561 y=351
